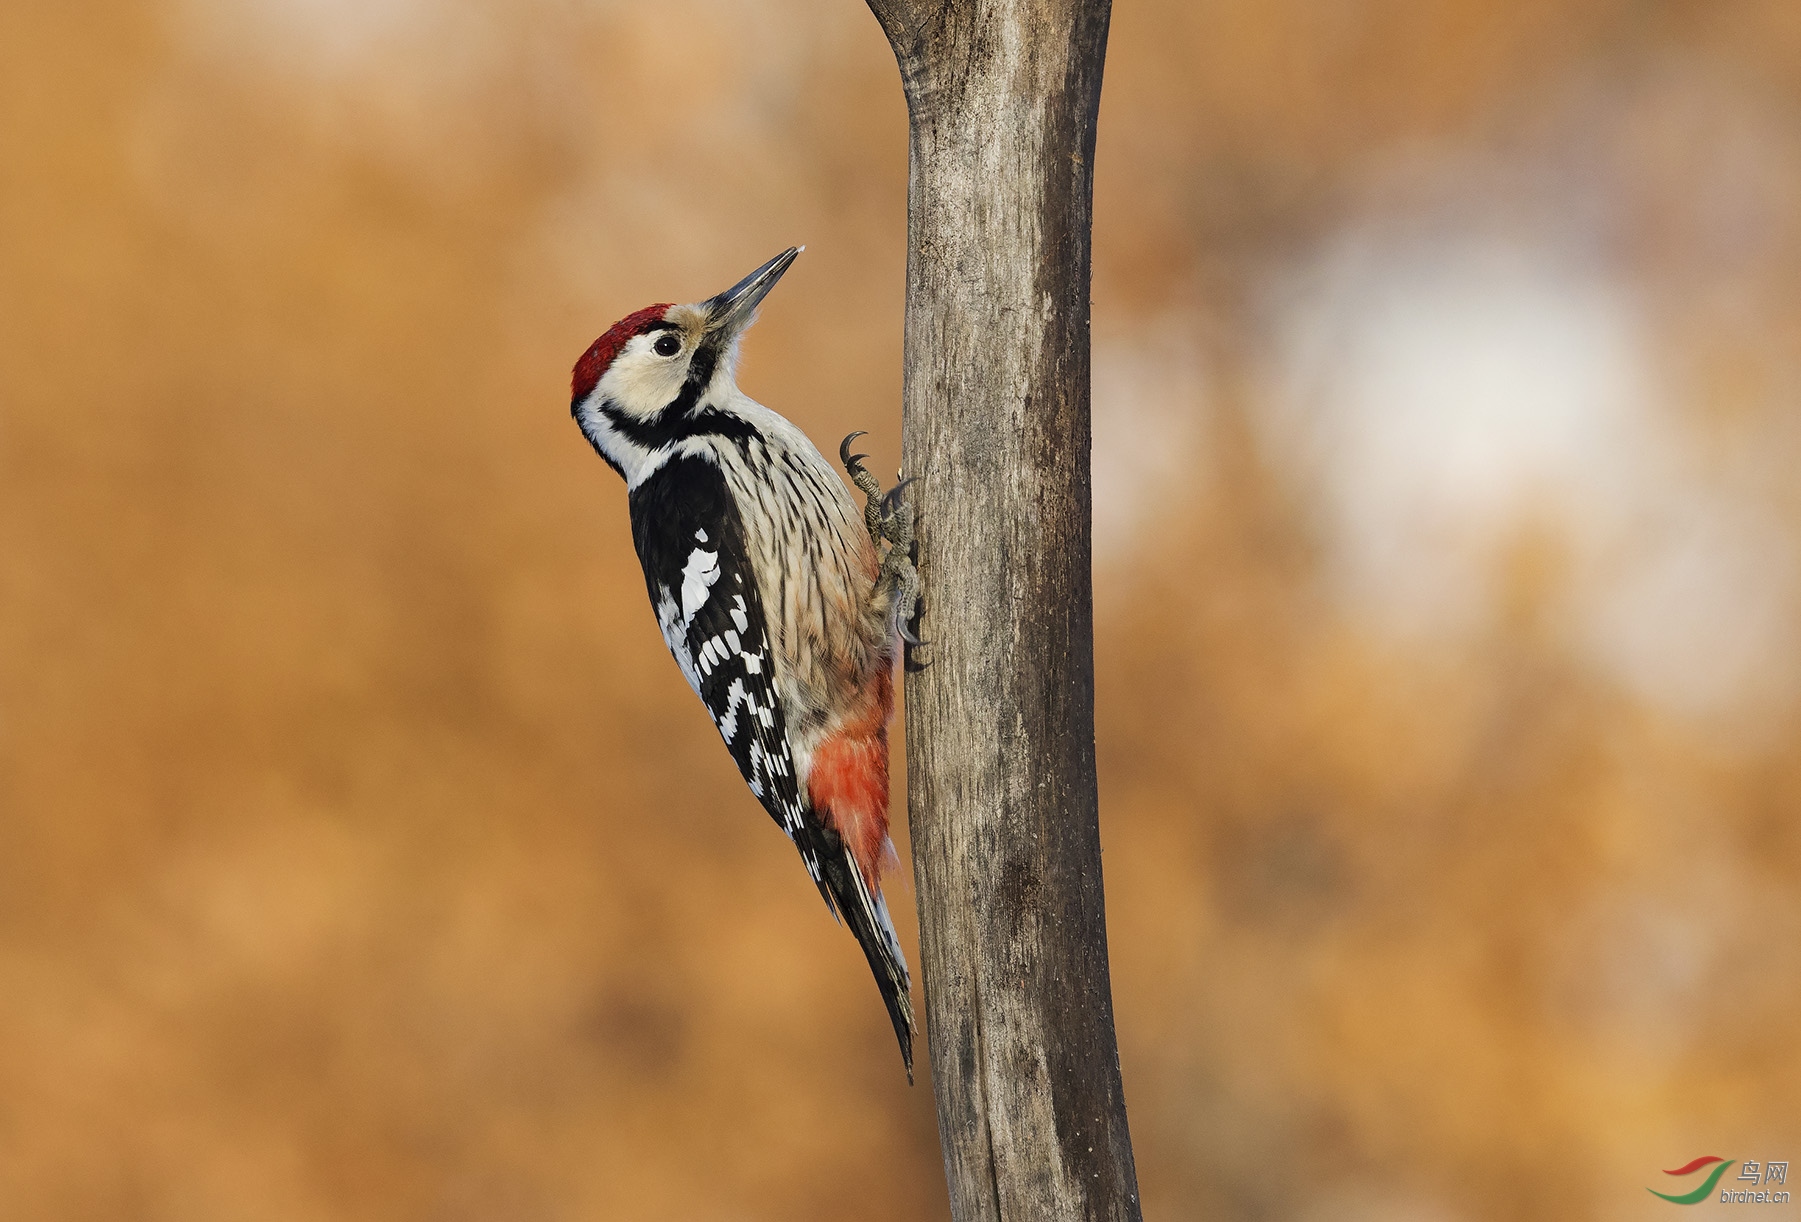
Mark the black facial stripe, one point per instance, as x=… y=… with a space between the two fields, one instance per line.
x=700 y=372
x=680 y=421
x=672 y=426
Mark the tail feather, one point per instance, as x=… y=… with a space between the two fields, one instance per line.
x=867 y=916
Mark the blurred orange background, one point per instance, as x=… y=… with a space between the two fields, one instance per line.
x=363 y=856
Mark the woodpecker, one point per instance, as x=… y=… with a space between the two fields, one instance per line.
x=783 y=605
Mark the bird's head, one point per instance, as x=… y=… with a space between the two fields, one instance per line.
x=665 y=355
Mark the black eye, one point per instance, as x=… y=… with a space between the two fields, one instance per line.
x=666 y=345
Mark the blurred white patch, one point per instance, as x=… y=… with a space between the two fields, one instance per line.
x=1641 y=969
x=1149 y=413
x=1445 y=388
x=1629 y=972
x=1701 y=619
x=324 y=38
x=432 y=91
x=1449 y=391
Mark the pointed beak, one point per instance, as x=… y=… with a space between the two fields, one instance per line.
x=731 y=311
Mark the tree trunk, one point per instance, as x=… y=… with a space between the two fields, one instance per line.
x=1002 y=97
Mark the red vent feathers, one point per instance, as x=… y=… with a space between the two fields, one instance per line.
x=600 y=353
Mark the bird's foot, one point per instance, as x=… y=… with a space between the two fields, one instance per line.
x=889 y=520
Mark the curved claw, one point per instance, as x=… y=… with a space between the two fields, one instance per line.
x=844 y=454
x=893 y=498
x=906 y=634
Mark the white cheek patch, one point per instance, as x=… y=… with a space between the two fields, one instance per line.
x=641 y=382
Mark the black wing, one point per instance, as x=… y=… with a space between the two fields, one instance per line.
x=690 y=540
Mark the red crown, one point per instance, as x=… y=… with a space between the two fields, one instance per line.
x=600 y=354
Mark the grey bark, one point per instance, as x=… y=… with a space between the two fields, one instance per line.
x=1002 y=98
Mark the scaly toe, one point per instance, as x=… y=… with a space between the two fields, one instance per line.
x=899 y=575
x=889 y=519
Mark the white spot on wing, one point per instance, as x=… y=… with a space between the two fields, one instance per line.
x=728 y=720
x=675 y=635
x=697 y=578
